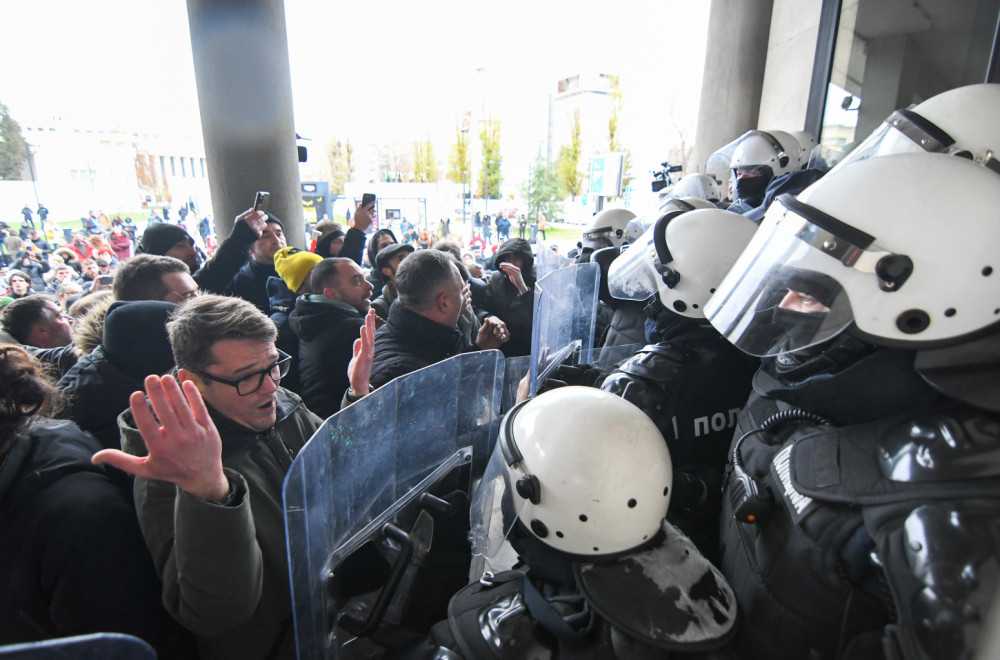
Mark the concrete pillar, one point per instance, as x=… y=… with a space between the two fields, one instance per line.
x=735 y=57
x=245 y=97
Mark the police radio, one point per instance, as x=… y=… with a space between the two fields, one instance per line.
x=748 y=500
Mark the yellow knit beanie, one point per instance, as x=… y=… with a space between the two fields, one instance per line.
x=293 y=265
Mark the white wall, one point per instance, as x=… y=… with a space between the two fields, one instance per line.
x=791 y=52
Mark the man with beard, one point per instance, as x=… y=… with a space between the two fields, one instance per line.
x=327 y=323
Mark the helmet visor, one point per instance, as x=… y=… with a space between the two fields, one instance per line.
x=781 y=296
x=635 y=274
x=904 y=132
x=495 y=508
x=601 y=238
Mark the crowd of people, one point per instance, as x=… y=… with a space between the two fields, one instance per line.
x=805 y=467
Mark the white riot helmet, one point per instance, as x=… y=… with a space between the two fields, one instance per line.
x=806 y=143
x=759 y=157
x=961 y=120
x=585 y=471
x=874 y=248
x=637 y=227
x=683 y=257
x=701 y=186
x=606 y=228
x=773 y=149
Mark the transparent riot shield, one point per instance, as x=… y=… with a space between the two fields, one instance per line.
x=371 y=504
x=515 y=368
x=548 y=260
x=565 y=318
x=100 y=646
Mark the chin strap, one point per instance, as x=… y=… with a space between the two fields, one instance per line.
x=827 y=357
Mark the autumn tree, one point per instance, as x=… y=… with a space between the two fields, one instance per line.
x=542 y=189
x=458 y=159
x=568 y=163
x=424 y=163
x=13 y=147
x=489 y=175
x=339 y=157
x=614 y=132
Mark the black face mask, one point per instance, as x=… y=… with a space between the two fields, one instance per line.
x=751 y=189
x=799 y=327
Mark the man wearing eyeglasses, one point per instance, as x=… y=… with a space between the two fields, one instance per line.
x=209 y=469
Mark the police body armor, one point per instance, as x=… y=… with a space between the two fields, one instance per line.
x=875 y=536
x=692 y=389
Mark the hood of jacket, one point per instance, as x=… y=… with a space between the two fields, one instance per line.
x=372 y=247
x=521 y=248
x=314 y=314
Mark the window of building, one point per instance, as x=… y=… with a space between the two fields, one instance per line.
x=890 y=55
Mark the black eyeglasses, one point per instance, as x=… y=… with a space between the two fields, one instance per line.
x=252 y=382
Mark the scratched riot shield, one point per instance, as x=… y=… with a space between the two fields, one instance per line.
x=548 y=260
x=565 y=318
x=515 y=368
x=99 y=646
x=376 y=508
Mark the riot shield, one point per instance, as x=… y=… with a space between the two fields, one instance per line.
x=565 y=318
x=100 y=646
x=515 y=368
x=371 y=490
x=548 y=260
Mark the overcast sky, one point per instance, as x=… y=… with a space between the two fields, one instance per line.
x=370 y=71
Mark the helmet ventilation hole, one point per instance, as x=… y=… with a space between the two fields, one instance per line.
x=913 y=321
x=987 y=271
x=949 y=312
x=680 y=306
x=539 y=528
x=559 y=534
x=596 y=549
x=632 y=503
x=583 y=517
x=666 y=489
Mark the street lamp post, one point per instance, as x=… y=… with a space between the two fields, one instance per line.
x=465 y=152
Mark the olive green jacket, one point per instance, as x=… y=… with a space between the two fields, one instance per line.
x=224 y=566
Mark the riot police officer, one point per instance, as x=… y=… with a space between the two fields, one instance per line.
x=598 y=573
x=864 y=489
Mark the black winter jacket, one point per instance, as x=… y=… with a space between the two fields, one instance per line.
x=215 y=275
x=98 y=392
x=72 y=559
x=498 y=296
x=282 y=302
x=326 y=330
x=408 y=342
x=250 y=283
